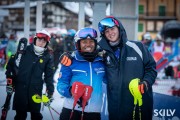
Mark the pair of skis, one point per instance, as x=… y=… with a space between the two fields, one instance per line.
x=20 y=50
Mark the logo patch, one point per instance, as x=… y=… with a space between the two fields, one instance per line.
x=108 y=60
x=41 y=60
x=131 y=58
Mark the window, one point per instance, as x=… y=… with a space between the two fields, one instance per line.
x=150 y=26
x=140 y=27
x=159 y=25
x=162 y=10
x=141 y=9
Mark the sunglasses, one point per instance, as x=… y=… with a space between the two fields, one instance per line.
x=87 y=32
x=42 y=36
x=107 y=23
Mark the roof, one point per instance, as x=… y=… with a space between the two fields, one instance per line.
x=72 y=6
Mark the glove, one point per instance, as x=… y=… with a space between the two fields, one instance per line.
x=143 y=86
x=77 y=90
x=65 y=59
x=48 y=101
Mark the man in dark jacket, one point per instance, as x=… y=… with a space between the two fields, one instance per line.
x=124 y=61
x=36 y=67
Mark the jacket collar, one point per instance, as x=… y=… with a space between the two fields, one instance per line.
x=78 y=57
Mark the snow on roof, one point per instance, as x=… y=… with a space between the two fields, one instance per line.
x=72 y=6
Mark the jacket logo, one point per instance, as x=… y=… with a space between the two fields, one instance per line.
x=41 y=60
x=131 y=58
x=108 y=60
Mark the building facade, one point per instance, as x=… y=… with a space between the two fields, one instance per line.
x=153 y=14
x=54 y=14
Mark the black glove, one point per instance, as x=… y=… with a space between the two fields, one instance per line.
x=79 y=102
x=143 y=86
x=65 y=59
x=47 y=104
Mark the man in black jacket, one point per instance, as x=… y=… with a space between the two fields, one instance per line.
x=35 y=68
x=125 y=61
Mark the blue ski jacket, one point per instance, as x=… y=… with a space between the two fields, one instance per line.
x=89 y=73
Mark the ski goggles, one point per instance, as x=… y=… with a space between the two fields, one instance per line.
x=87 y=32
x=41 y=35
x=107 y=23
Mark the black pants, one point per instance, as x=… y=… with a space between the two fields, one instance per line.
x=65 y=115
x=22 y=115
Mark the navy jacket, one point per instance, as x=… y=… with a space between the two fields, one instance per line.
x=135 y=62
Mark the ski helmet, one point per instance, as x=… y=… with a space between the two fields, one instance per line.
x=108 y=22
x=71 y=32
x=42 y=34
x=83 y=34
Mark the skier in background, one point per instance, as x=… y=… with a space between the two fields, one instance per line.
x=11 y=46
x=69 y=41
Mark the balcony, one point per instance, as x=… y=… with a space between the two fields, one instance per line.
x=158 y=15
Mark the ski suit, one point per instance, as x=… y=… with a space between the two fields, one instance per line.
x=89 y=73
x=135 y=61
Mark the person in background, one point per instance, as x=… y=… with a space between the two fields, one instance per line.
x=3 y=45
x=11 y=46
x=56 y=43
x=147 y=40
x=86 y=68
x=69 y=41
x=158 y=45
x=36 y=68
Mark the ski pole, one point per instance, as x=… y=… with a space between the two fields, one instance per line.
x=77 y=91
x=51 y=113
x=37 y=99
x=54 y=110
x=86 y=96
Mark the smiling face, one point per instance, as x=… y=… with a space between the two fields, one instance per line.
x=87 y=45
x=112 y=34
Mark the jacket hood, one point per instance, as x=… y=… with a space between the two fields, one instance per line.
x=103 y=43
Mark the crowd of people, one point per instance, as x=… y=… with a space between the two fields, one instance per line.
x=113 y=60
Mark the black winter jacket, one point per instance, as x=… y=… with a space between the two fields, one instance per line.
x=135 y=62
x=32 y=73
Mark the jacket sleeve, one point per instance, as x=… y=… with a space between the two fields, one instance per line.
x=150 y=72
x=49 y=73
x=63 y=85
